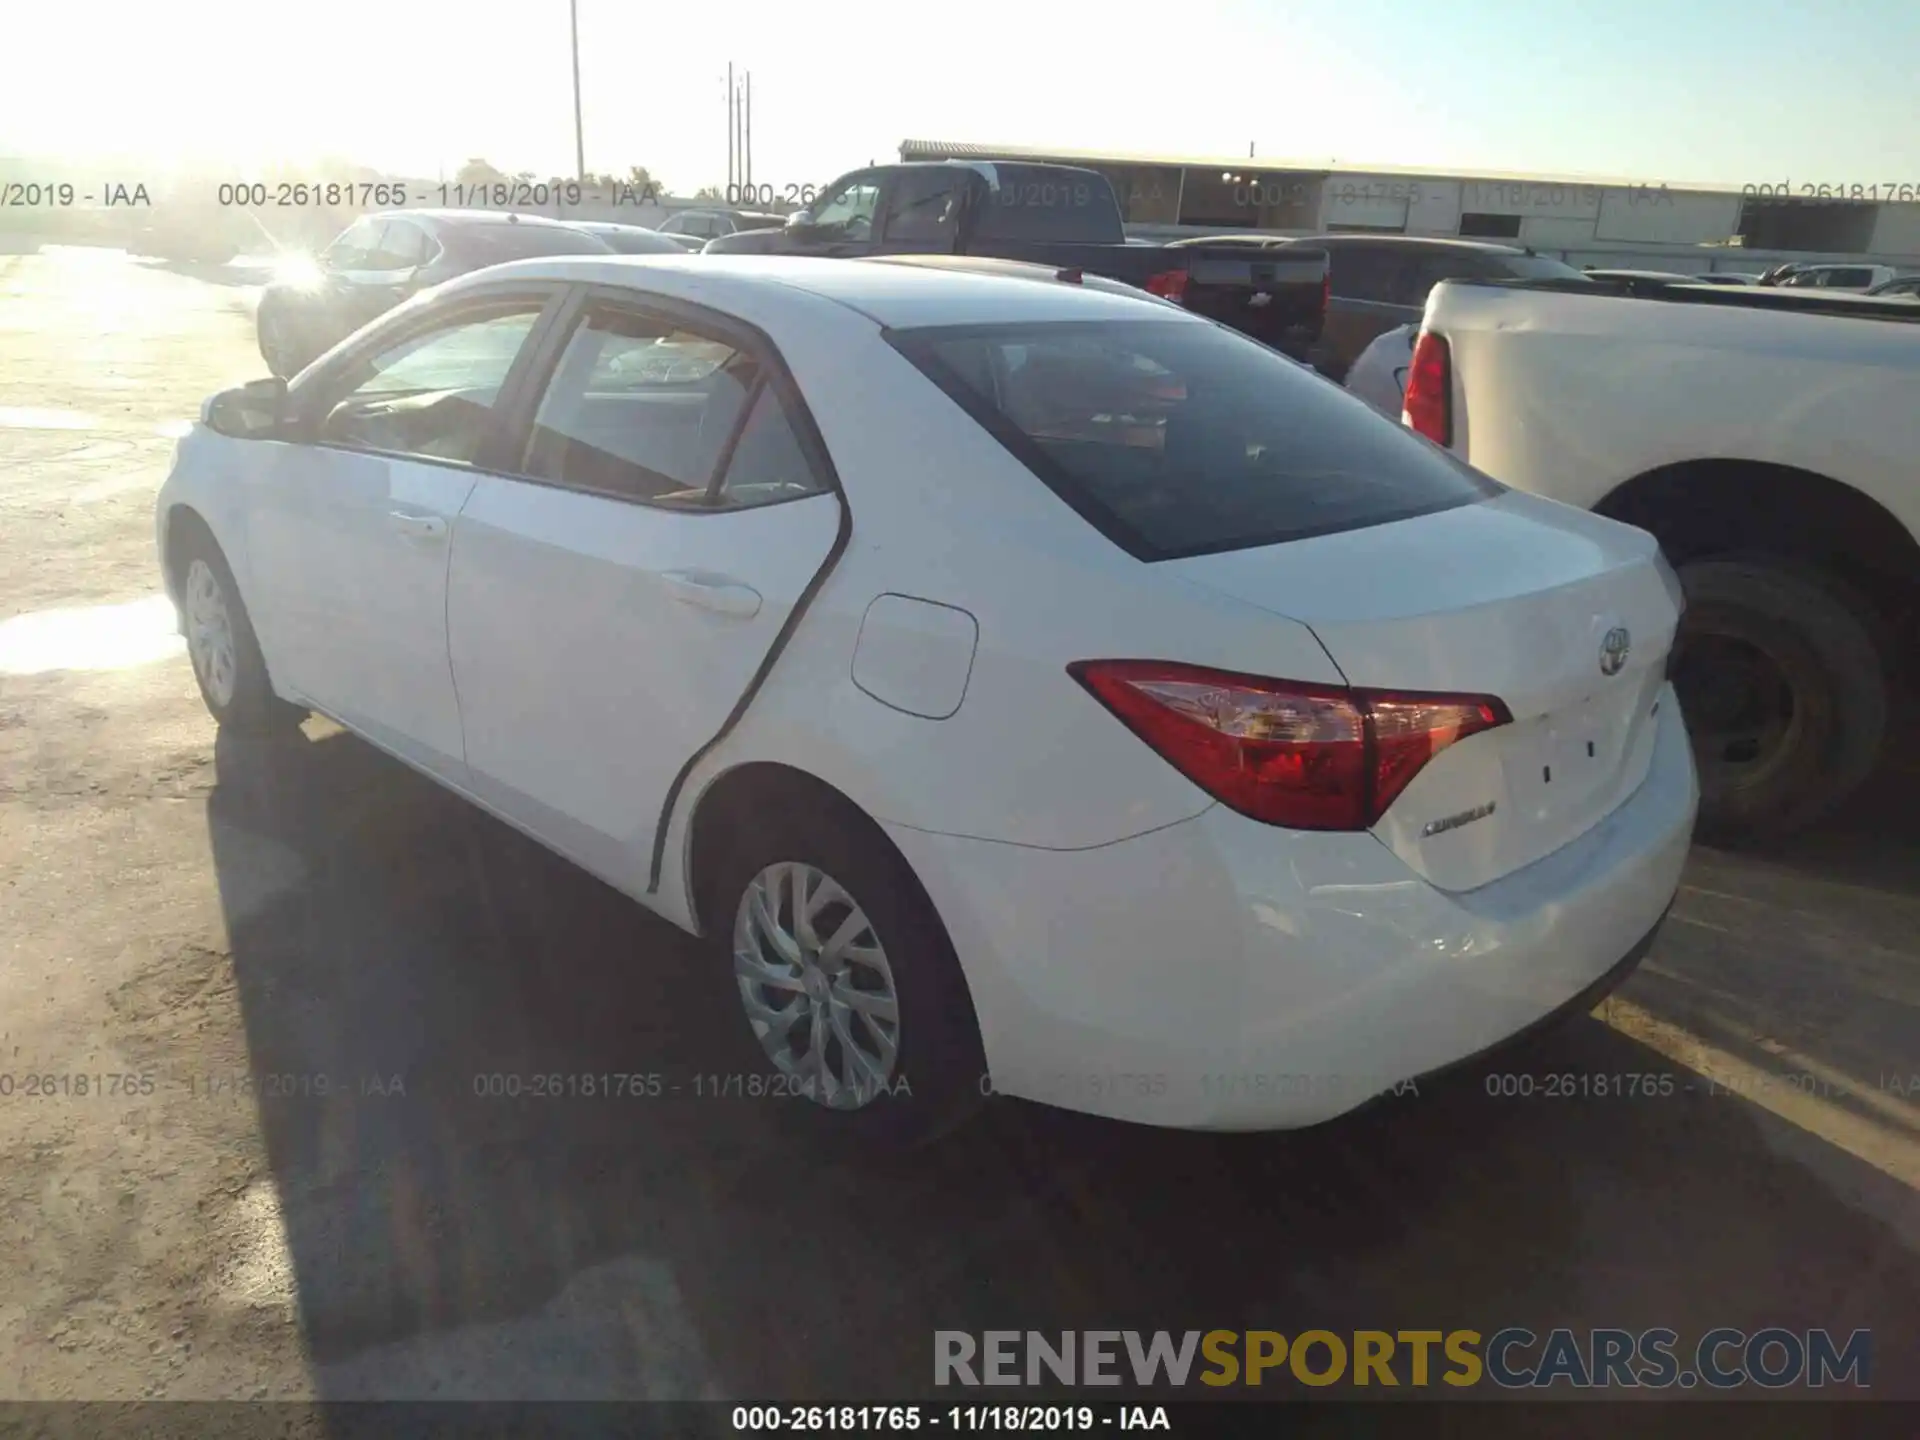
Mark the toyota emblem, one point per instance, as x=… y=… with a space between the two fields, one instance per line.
x=1613 y=650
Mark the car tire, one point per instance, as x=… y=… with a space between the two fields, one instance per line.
x=1818 y=654
x=221 y=644
x=937 y=1078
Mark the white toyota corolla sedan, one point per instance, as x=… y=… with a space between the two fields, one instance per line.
x=1027 y=688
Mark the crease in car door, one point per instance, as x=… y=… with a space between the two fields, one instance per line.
x=608 y=611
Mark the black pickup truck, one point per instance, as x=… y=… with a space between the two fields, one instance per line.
x=1056 y=215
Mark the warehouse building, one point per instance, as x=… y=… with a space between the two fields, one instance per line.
x=1586 y=219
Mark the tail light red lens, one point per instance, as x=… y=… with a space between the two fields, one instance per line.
x=1428 y=406
x=1326 y=293
x=1169 y=285
x=1309 y=757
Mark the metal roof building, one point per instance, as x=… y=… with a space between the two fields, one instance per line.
x=1601 y=218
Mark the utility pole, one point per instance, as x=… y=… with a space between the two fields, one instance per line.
x=749 y=128
x=579 y=130
x=730 y=180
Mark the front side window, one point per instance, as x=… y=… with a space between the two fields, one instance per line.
x=640 y=408
x=1178 y=438
x=353 y=245
x=849 y=209
x=402 y=246
x=924 y=206
x=433 y=394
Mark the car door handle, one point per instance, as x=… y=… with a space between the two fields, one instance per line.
x=718 y=593
x=418 y=527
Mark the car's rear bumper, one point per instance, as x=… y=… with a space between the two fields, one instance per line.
x=1224 y=974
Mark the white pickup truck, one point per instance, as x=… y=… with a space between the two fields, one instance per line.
x=1771 y=440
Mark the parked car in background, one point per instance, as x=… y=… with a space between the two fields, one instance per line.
x=381 y=260
x=1380 y=282
x=1767 y=438
x=1669 y=277
x=1856 y=278
x=1901 y=287
x=1061 y=216
x=1011 y=682
x=692 y=229
x=630 y=239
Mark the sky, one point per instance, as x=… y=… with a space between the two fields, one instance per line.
x=1713 y=91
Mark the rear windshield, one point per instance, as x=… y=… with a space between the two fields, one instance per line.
x=1174 y=438
x=1049 y=202
x=482 y=245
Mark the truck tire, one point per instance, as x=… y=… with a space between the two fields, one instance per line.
x=1785 y=694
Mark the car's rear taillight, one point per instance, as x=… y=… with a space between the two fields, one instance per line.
x=1310 y=757
x=1326 y=292
x=1428 y=406
x=1169 y=285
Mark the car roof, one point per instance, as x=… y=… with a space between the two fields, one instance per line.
x=1018 y=269
x=896 y=296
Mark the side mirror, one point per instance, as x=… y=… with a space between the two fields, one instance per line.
x=256 y=410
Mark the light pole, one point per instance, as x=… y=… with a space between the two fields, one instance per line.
x=579 y=130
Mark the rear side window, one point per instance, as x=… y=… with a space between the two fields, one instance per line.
x=478 y=246
x=1368 y=272
x=640 y=409
x=1177 y=438
x=1040 y=202
x=1536 y=267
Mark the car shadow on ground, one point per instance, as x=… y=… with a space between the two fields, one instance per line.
x=1803 y=955
x=675 y=1245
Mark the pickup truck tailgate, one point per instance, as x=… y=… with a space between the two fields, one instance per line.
x=1257 y=291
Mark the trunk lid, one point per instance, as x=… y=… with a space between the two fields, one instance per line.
x=1514 y=597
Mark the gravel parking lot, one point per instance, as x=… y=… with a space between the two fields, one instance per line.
x=281 y=975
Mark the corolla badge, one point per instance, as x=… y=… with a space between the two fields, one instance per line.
x=1613 y=650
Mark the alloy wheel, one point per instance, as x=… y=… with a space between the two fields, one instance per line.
x=816 y=984
x=210 y=634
